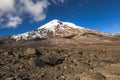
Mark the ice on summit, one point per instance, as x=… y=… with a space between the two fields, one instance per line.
x=41 y=32
x=53 y=23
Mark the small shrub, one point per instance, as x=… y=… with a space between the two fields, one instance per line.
x=84 y=62
x=27 y=56
x=67 y=61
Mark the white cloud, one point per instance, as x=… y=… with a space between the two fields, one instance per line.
x=12 y=11
x=14 y=21
x=10 y=8
x=6 y=5
x=36 y=10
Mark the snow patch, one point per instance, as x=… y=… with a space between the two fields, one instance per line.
x=41 y=32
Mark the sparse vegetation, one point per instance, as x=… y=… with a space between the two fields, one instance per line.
x=84 y=62
x=27 y=56
x=65 y=62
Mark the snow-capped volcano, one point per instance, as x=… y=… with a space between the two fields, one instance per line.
x=54 y=28
x=54 y=23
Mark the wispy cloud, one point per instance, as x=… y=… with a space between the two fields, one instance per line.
x=56 y=2
x=14 y=21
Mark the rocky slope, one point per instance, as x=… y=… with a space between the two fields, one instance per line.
x=60 y=51
x=83 y=62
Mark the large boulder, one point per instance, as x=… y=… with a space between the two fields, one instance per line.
x=32 y=51
x=53 y=61
x=36 y=62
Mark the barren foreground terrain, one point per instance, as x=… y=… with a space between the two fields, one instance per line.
x=42 y=60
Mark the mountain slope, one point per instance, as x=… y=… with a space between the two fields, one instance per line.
x=53 y=28
x=57 y=33
x=59 y=29
x=60 y=51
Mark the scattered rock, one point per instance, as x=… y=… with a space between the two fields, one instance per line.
x=52 y=61
x=10 y=78
x=63 y=77
x=78 y=78
x=39 y=63
x=43 y=75
x=25 y=79
x=68 y=64
x=98 y=76
x=17 y=55
x=36 y=62
x=32 y=51
x=32 y=61
x=8 y=53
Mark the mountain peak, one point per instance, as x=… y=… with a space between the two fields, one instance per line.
x=51 y=29
x=56 y=22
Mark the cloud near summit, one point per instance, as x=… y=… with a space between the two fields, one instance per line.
x=12 y=11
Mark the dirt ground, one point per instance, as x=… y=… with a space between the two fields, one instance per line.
x=97 y=61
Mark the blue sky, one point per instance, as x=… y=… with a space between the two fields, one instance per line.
x=19 y=16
